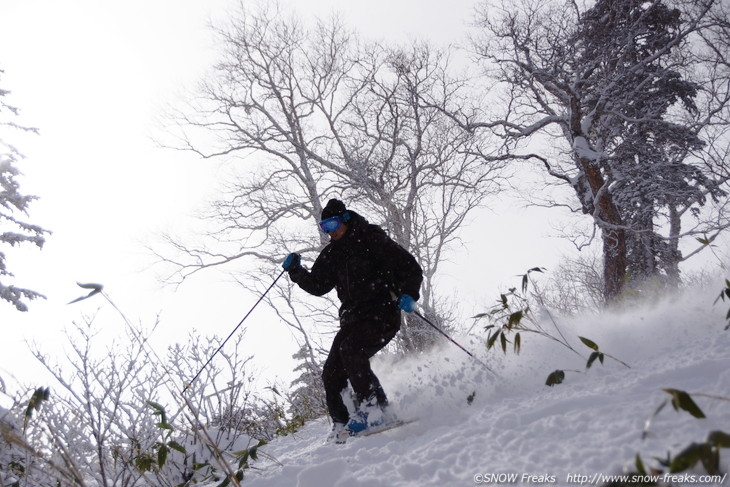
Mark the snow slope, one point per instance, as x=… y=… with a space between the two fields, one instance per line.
x=591 y=425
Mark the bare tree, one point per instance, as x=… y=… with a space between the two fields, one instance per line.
x=98 y=426
x=316 y=113
x=613 y=102
x=574 y=286
x=98 y=414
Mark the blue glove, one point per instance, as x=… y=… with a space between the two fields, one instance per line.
x=292 y=262
x=407 y=303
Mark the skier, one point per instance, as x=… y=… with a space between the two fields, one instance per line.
x=375 y=278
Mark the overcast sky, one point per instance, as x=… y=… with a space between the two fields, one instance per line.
x=94 y=76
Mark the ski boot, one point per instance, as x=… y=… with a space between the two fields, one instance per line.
x=339 y=434
x=370 y=416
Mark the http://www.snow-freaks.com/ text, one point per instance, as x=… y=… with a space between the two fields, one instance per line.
x=597 y=478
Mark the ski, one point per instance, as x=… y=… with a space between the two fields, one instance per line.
x=385 y=427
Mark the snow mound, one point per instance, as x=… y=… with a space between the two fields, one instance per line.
x=478 y=427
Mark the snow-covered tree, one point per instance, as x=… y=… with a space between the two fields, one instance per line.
x=307 y=397
x=119 y=414
x=648 y=150
x=14 y=229
x=625 y=103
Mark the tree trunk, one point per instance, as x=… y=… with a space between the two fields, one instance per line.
x=673 y=254
x=613 y=234
x=643 y=249
x=614 y=262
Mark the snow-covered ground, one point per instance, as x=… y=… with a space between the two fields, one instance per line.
x=582 y=431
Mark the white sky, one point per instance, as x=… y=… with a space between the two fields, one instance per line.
x=93 y=75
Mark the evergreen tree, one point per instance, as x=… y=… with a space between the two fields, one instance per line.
x=307 y=398
x=14 y=230
x=645 y=151
x=628 y=103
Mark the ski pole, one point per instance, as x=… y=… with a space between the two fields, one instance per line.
x=190 y=384
x=451 y=340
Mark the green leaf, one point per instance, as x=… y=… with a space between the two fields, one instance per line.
x=504 y=343
x=243 y=461
x=514 y=319
x=518 y=343
x=34 y=403
x=177 y=447
x=17 y=468
x=704 y=241
x=159 y=411
x=555 y=377
x=687 y=458
x=156 y=406
x=589 y=343
x=719 y=438
x=640 y=469
x=162 y=455
x=225 y=482
x=525 y=282
x=164 y=426
x=592 y=358
x=144 y=462
x=710 y=458
x=492 y=339
x=682 y=400
x=255 y=450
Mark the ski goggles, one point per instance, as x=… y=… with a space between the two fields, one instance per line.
x=330 y=224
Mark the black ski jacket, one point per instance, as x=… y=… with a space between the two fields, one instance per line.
x=369 y=270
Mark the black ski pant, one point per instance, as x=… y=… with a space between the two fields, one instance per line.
x=349 y=359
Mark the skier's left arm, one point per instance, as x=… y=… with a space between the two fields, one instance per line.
x=407 y=273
